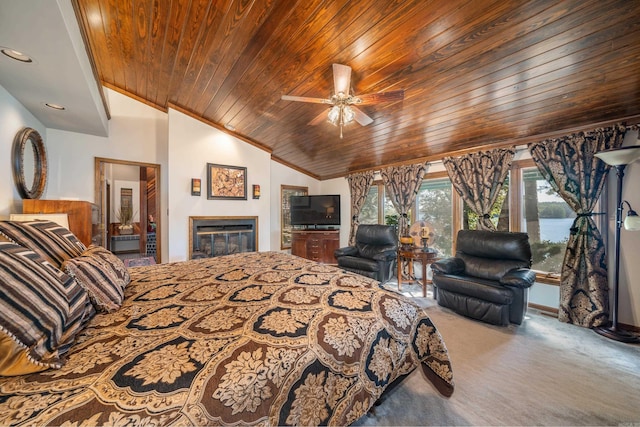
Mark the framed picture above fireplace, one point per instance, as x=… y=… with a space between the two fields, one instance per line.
x=226 y=182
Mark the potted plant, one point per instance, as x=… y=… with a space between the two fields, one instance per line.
x=393 y=221
x=125 y=218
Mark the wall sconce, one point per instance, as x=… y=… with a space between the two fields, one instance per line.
x=196 y=186
x=256 y=191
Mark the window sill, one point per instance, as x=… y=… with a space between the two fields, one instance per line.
x=548 y=278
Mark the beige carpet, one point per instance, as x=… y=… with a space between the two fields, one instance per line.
x=543 y=372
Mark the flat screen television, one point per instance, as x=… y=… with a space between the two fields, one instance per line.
x=315 y=210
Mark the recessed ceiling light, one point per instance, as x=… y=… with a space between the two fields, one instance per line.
x=230 y=127
x=55 y=106
x=14 y=54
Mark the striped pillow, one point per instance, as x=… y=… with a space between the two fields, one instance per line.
x=41 y=311
x=113 y=261
x=48 y=239
x=99 y=279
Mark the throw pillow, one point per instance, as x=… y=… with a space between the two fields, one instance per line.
x=102 y=275
x=41 y=311
x=113 y=261
x=48 y=239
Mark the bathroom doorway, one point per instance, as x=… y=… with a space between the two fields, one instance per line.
x=128 y=196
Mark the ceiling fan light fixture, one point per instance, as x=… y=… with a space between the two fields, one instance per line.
x=343 y=102
x=347 y=114
x=334 y=115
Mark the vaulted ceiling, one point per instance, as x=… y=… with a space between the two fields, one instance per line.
x=476 y=73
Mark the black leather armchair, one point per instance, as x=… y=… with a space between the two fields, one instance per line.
x=374 y=253
x=488 y=279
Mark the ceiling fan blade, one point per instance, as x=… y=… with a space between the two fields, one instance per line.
x=305 y=99
x=361 y=117
x=341 y=78
x=374 y=98
x=319 y=118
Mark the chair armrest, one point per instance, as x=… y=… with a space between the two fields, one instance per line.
x=388 y=255
x=519 y=278
x=349 y=250
x=448 y=266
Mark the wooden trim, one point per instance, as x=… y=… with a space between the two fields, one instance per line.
x=436 y=175
x=134 y=96
x=630 y=328
x=294 y=167
x=547 y=278
x=549 y=311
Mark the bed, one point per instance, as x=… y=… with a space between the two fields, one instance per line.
x=261 y=338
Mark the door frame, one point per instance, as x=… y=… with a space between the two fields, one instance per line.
x=101 y=197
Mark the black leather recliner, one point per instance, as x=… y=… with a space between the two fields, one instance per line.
x=489 y=278
x=374 y=253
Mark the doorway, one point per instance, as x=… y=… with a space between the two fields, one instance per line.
x=135 y=186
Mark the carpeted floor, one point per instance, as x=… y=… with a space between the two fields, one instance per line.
x=543 y=372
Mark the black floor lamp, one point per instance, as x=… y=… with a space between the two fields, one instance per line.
x=620 y=158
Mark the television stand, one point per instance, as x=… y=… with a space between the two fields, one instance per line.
x=315 y=244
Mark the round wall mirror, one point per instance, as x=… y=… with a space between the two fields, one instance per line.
x=29 y=164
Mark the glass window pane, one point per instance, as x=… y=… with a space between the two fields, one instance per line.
x=286 y=192
x=369 y=211
x=547 y=219
x=435 y=207
x=389 y=209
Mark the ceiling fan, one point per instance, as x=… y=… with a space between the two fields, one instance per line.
x=344 y=103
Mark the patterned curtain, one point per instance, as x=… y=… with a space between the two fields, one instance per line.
x=359 y=185
x=569 y=164
x=478 y=178
x=402 y=183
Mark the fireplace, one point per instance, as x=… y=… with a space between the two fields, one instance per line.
x=211 y=236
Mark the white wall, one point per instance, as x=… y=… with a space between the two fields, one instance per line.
x=13 y=117
x=193 y=144
x=629 y=287
x=137 y=133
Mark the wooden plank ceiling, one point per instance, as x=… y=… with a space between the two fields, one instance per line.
x=476 y=73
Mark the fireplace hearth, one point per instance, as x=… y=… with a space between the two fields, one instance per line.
x=212 y=236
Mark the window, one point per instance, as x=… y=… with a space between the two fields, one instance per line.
x=545 y=216
x=435 y=206
x=369 y=211
x=526 y=203
x=376 y=209
x=286 y=191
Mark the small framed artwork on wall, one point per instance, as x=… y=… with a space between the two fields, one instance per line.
x=226 y=182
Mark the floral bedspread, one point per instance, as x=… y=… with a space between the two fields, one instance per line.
x=257 y=338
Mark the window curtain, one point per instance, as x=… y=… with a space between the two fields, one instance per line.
x=478 y=178
x=402 y=184
x=569 y=164
x=359 y=185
